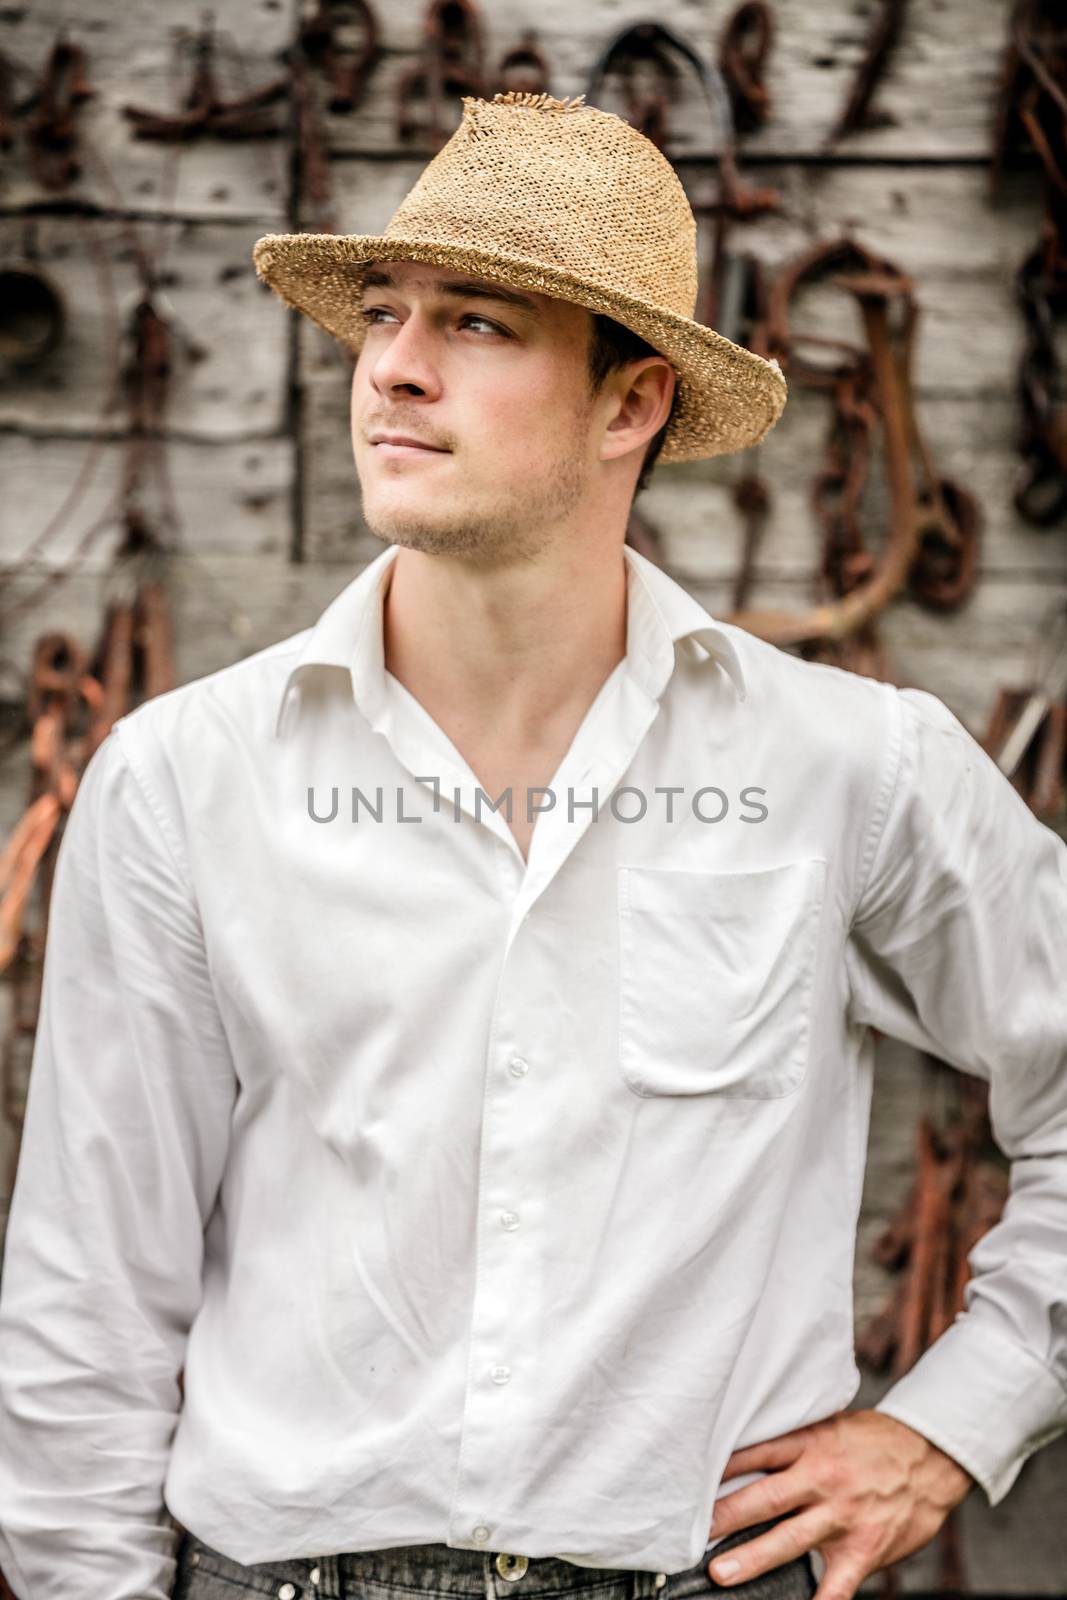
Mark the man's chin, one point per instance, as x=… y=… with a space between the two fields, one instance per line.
x=403 y=524
x=433 y=536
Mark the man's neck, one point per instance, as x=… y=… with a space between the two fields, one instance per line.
x=511 y=658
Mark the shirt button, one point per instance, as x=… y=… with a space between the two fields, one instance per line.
x=313 y=1575
x=661 y=1578
x=194 y=1559
x=481 y=1533
x=287 y=1591
x=509 y=1219
x=518 y=1066
x=511 y=1567
x=500 y=1374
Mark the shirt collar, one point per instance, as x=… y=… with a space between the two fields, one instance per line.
x=660 y=614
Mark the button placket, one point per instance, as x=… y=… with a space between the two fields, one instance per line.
x=501 y=1264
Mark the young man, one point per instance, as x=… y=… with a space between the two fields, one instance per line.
x=455 y=1047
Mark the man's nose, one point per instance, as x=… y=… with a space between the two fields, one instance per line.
x=406 y=360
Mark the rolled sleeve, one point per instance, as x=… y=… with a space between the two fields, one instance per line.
x=124 y=1142
x=957 y=946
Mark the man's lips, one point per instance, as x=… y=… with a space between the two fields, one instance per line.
x=401 y=450
x=400 y=444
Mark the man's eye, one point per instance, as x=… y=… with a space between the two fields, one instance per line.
x=370 y=314
x=472 y=316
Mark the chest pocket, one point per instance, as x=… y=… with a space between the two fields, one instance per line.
x=715 y=978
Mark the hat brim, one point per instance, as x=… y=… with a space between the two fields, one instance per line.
x=727 y=398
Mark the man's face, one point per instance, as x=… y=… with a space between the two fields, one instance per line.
x=498 y=382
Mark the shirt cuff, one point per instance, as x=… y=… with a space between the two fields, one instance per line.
x=982 y=1399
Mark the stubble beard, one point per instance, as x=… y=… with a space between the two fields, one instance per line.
x=520 y=526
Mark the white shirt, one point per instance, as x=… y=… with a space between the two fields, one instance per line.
x=495 y=1204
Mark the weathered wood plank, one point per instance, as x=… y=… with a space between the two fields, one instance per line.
x=1013 y=1548
x=223 y=606
x=936 y=99
x=229 y=338
x=971 y=442
x=332 y=522
x=938 y=94
x=895 y=1104
x=1017 y=1547
x=228 y=498
x=132 y=60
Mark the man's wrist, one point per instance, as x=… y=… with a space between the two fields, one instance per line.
x=947 y=1481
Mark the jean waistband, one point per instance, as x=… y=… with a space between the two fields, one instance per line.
x=432 y=1571
x=438 y=1569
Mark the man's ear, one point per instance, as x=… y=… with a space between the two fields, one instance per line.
x=644 y=391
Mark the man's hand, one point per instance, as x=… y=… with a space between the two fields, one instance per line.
x=867 y=1490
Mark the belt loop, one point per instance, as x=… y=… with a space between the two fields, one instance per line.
x=329 y=1582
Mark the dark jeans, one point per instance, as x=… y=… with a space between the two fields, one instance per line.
x=440 y=1573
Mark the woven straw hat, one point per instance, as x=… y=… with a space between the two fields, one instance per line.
x=568 y=201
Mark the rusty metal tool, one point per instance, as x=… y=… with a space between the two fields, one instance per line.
x=324 y=38
x=871 y=388
x=51 y=123
x=959 y=1192
x=644 y=60
x=524 y=69
x=744 y=49
x=204 y=111
x=452 y=65
x=1031 y=116
x=888 y=25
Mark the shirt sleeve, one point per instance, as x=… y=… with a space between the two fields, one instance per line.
x=957 y=946
x=124 y=1141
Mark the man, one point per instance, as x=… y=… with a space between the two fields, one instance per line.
x=455 y=1046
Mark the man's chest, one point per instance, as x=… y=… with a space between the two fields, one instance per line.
x=524 y=779
x=684 y=904
x=517 y=774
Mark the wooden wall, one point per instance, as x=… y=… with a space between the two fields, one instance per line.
x=257 y=452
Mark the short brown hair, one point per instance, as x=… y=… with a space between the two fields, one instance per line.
x=612 y=345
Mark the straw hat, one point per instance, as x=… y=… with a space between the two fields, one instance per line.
x=568 y=201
